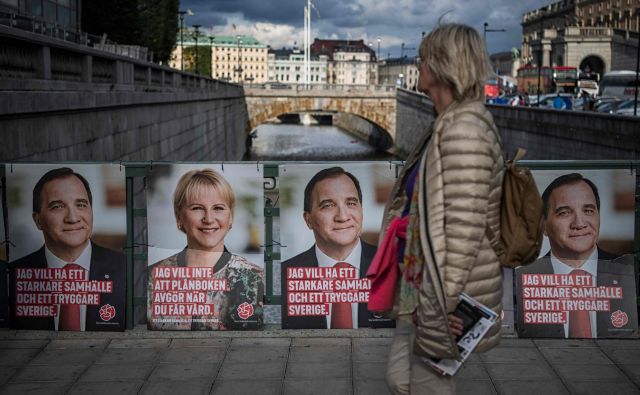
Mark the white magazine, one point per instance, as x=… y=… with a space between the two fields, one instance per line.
x=478 y=319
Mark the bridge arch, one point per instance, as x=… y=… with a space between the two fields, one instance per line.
x=376 y=106
x=593 y=64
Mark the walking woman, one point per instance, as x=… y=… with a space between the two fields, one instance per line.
x=448 y=193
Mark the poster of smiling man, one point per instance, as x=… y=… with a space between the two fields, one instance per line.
x=67 y=228
x=329 y=223
x=206 y=232
x=583 y=284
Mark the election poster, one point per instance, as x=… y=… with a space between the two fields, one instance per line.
x=330 y=216
x=583 y=284
x=67 y=233
x=4 y=272
x=206 y=240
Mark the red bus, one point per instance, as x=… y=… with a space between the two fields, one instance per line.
x=565 y=79
x=562 y=79
x=491 y=89
x=528 y=77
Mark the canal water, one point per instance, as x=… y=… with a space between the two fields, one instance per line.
x=295 y=142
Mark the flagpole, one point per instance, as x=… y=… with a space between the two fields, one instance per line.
x=304 y=46
x=308 y=48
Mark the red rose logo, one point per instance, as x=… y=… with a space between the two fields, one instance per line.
x=245 y=310
x=107 y=312
x=619 y=319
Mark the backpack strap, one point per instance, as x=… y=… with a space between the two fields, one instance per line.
x=496 y=244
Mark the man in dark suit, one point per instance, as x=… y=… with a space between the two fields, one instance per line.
x=62 y=210
x=571 y=207
x=333 y=211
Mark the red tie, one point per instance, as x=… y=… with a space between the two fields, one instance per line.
x=341 y=312
x=579 y=322
x=69 y=313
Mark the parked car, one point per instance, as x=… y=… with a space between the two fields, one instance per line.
x=627 y=108
x=547 y=100
x=604 y=100
x=610 y=107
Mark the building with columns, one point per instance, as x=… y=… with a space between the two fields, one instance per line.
x=593 y=35
x=287 y=66
x=239 y=59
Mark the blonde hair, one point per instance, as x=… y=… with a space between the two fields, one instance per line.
x=193 y=181
x=457 y=57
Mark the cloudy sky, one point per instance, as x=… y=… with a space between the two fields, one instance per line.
x=279 y=23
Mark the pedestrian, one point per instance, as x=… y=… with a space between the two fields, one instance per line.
x=559 y=103
x=449 y=192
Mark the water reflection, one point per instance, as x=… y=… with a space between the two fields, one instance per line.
x=299 y=142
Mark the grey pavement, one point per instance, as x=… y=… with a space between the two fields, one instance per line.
x=293 y=362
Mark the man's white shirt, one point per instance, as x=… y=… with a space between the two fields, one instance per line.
x=590 y=266
x=354 y=260
x=84 y=260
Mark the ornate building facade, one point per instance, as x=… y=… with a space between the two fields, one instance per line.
x=593 y=35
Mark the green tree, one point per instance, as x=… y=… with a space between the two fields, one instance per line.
x=147 y=23
x=204 y=60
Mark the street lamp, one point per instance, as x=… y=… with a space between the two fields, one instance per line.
x=490 y=31
x=239 y=69
x=196 y=29
x=182 y=14
x=539 y=62
x=635 y=103
x=378 y=49
x=211 y=38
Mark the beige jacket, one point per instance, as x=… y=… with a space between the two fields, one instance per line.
x=459 y=194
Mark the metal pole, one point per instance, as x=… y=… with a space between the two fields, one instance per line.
x=305 y=43
x=211 y=38
x=486 y=30
x=195 y=37
x=540 y=58
x=181 y=39
x=239 y=60
x=378 y=49
x=635 y=103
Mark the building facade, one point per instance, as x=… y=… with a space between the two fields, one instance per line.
x=592 y=35
x=240 y=59
x=349 y=62
x=287 y=66
x=401 y=72
x=63 y=14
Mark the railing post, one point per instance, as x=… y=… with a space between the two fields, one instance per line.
x=43 y=63
x=87 y=68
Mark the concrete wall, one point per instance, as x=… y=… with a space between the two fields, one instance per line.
x=414 y=115
x=566 y=135
x=151 y=126
x=364 y=129
x=546 y=134
x=63 y=101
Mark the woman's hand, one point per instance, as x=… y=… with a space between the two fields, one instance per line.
x=455 y=324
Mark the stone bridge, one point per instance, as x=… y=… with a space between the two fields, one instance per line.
x=375 y=104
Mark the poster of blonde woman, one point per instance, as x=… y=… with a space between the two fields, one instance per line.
x=206 y=268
